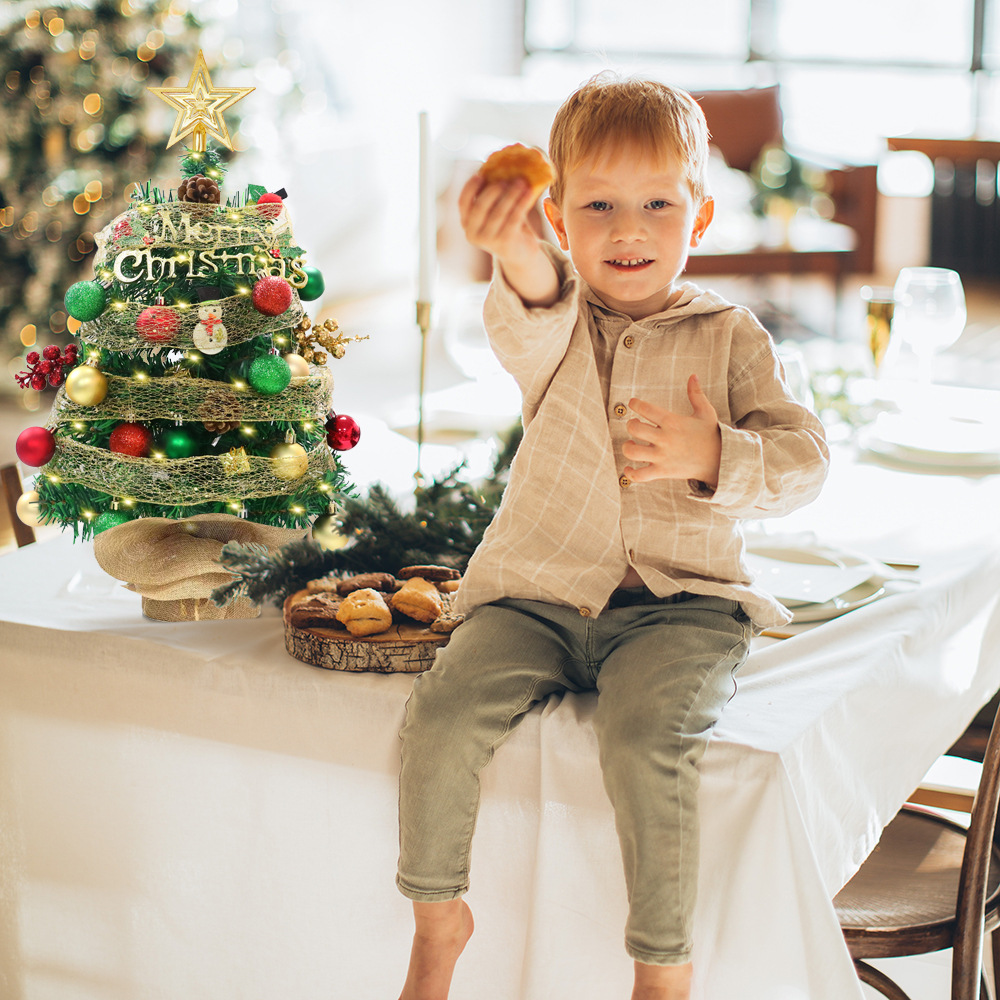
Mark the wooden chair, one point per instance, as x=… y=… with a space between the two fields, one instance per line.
x=10 y=493
x=930 y=884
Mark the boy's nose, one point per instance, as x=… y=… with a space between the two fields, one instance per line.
x=628 y=226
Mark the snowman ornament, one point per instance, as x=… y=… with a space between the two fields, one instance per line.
x=210 y=334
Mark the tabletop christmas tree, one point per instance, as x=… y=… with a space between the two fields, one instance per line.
x=200 y=386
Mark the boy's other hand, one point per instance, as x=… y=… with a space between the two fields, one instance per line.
x=676 y=446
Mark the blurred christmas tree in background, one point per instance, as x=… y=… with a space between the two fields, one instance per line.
x=77 y=135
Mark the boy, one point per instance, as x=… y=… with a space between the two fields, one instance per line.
x=655 y=417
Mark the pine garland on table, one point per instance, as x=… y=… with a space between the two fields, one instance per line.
x=444 y=528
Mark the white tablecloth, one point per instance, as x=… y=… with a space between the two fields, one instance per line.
x=188 y=813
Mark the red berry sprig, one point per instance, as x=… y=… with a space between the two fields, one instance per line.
x=46 y=368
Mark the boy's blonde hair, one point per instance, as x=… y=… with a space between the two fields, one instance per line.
x=610 y=110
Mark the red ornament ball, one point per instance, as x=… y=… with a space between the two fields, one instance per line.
x=272 y=296
x=35 y=446
x=131 y=439
x=269 y=205
x=342 y=432
x=157 y=324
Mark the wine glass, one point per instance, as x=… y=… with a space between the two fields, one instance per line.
x=930 y=313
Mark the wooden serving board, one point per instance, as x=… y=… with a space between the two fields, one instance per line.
x=402 y=649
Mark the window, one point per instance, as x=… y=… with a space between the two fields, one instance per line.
x=851 y=73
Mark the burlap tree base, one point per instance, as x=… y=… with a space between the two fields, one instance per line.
x=198 y=609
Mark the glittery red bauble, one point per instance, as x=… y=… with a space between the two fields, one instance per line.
x=272 y=296
x=131 y=439
x=157 y=324
x=35 y=446
x=269 y=205
x=342 y=432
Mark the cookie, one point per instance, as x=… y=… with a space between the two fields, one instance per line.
x=317 y=610
x=447 y=622
x=385 y=582
x=327 y=584
x=448 y=586
x=433 y=573
x=519 y=160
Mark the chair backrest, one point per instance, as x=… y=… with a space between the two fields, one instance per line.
x=10 y=493
x=970 y=907
x=742 y=122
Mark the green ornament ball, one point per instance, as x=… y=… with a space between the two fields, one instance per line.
x=314 y=286
x=269 y=374
x=85 y=300
x=109 y=519
x=178 y=442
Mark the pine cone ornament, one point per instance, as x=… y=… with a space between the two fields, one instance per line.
x=220 y=426
x=199 y=188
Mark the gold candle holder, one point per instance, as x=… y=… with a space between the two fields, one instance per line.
x=424 y=324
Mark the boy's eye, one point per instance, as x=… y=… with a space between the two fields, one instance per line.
x=659 y=203
x=599 y=206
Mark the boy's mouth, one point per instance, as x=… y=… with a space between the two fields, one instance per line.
x=629 y=263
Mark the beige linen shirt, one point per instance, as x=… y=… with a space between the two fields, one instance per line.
x=571 y=524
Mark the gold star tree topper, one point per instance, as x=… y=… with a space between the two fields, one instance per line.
x=200 y=106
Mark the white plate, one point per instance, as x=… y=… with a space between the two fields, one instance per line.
x=801 y=557
x=937 y=440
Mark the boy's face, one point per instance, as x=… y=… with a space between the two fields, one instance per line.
x=628 y=220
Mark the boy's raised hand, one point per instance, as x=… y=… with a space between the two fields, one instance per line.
x=676 y=446
x=495 y=218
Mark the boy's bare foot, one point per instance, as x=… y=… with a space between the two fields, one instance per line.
x=662 y=982
x=441 y=933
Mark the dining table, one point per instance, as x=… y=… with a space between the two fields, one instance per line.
x=187 y=812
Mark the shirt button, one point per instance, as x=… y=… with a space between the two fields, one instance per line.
x=629 y=341
x=624 y=482
x=585 y=612
x=620 y=409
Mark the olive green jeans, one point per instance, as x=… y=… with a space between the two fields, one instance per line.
x=663 y=669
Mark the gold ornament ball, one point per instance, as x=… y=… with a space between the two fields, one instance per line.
x=86 y=386
x=298 y=365
x=326 y=534
x=289 y=461
x=26 y=509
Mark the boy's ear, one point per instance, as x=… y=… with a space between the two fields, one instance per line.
x=555 y=217
x=705 y=215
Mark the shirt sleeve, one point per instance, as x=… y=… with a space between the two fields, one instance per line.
x=530 y=342
x=774 y=452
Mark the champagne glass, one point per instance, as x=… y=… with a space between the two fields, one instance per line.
x=930 y=313
x=879 y=307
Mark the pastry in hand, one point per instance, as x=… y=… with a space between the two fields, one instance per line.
x=519 y=161
x=364 y=613
x=418 y=599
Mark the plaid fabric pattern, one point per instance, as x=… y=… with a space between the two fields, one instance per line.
x=570 y=525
